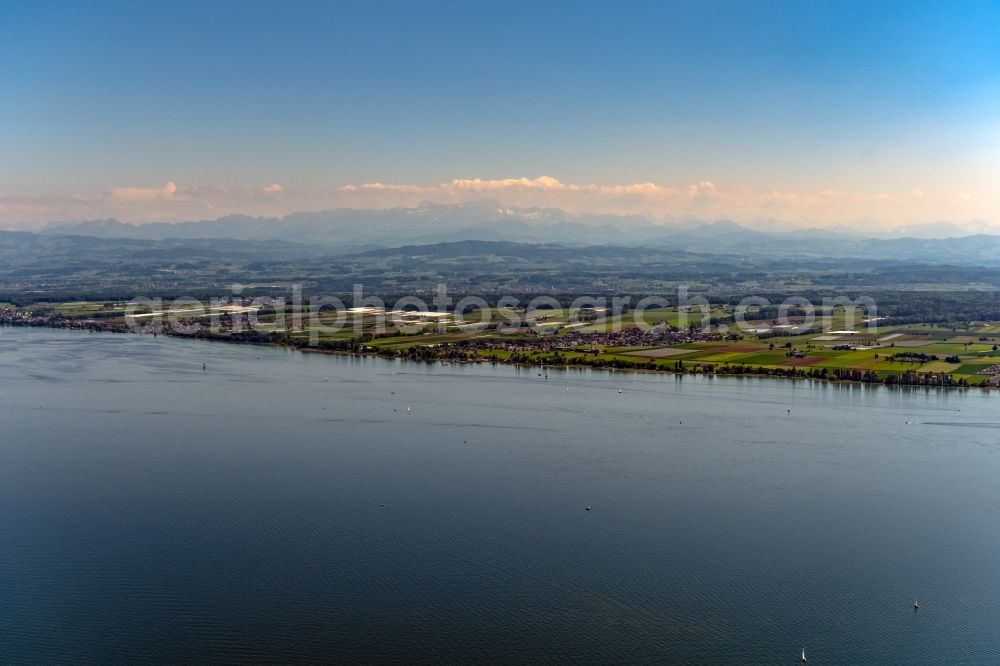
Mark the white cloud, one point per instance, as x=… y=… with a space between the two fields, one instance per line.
x=704 y=199
x=703 y=189
x=164 y=193
x=476 y=184
x=543 y=190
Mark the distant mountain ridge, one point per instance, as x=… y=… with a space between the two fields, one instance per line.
x=351 y=231
x=348 y=226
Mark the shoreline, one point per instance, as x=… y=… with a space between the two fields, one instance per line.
x=759 y=372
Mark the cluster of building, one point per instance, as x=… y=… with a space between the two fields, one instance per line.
x=628 y=337
x=9 y=315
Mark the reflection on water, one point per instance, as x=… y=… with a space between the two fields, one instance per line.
x=279 y=505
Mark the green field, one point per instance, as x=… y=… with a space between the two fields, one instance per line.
x=806 y=354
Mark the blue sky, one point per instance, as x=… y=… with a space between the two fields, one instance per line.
x=193 y=109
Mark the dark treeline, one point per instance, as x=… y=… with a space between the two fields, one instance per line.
x=945 y=308
x=900 y=307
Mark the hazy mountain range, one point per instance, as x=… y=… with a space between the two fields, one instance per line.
x=350 y=231
x=347 y=228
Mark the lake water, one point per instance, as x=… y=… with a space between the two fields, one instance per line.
x=285 y=506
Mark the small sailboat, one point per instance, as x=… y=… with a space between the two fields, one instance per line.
x=916 y=605
x=619 y=390
x=804 y=660
x=408 y=409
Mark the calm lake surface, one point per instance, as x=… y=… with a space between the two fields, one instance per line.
x=285 y=506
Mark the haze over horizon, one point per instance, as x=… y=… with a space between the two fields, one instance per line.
x=834 y=115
